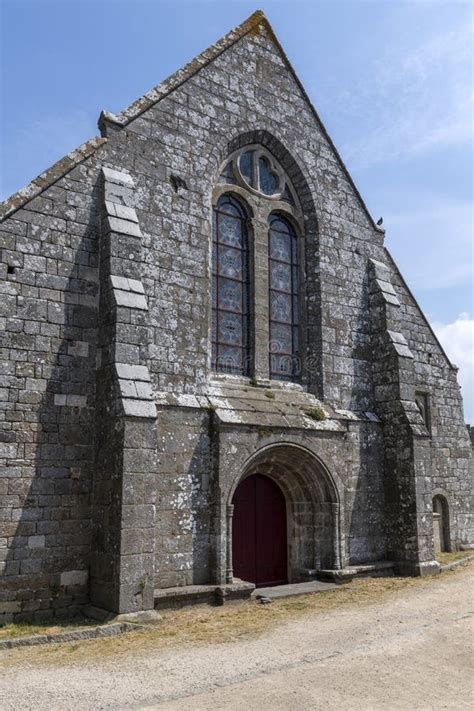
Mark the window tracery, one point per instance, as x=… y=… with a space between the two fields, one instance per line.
x=253 y=172
x=255 y=169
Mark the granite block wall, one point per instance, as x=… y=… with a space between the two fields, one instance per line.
x=48 y=304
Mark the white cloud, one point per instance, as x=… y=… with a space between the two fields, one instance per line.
x=411 y=100
x=457 y=338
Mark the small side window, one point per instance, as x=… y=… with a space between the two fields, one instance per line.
x=422 y=399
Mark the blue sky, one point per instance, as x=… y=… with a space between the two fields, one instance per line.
x=391 y=80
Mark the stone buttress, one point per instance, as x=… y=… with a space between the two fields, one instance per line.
x=122 y=570
x=406 y=438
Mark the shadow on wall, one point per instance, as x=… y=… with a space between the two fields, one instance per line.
x=362 y=393
x=186 y=498
x=46 y=570
x=367 y=538
x=367 y=525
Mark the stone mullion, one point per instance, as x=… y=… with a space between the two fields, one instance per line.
x=260 y=300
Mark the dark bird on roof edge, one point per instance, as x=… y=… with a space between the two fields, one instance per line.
x=380 y=222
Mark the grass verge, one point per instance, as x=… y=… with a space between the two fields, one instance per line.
x=445 y=558
x=203 y=625
x=27 y=629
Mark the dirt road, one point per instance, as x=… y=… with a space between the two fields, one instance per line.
x=409 y=648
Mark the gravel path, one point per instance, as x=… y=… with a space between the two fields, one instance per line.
x=412 y=650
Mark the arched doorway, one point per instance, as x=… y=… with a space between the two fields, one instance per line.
x=310 y=505
x=259 y=535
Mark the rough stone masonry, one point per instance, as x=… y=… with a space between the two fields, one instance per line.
x=124 y=435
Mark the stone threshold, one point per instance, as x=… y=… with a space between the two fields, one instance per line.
x=379 y=568
x=293 y=589
x=202 y=594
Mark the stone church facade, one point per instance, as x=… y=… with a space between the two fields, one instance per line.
x=212 y=369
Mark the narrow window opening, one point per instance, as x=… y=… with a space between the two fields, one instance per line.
x=283 y=300
x=230 y=288
x=423 y=402
x=246 y=165
x=441 y=536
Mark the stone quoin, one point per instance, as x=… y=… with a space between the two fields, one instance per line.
x=199 y=297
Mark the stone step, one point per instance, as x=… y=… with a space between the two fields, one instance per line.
x=379 y=568
x=293 y=589
x=180 y=596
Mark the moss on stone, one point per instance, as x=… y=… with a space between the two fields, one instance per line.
x=316 y=413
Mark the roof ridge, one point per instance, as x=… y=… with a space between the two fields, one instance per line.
x=49 y=176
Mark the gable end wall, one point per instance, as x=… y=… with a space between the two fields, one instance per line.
x=49 y=315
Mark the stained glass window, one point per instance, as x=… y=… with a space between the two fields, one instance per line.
x=246 y=166
x=287 y=196
x=267 y=178
x=254 y=167
x=283 y=299
x=227 y=175
x=230 y=323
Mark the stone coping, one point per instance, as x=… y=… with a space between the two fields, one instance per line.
x=49 y=177
x=107 y=630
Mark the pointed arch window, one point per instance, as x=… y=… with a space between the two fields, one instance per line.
x=253 y=175
x=283 y=299
x=230 y=288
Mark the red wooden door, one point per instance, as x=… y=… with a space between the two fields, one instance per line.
x=259 y=548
